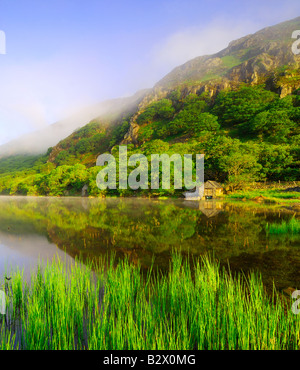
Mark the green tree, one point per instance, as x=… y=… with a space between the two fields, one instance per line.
x=276 y=161
x=241 y=169
x=236 y=107
x=163 y=109
x=273 y=125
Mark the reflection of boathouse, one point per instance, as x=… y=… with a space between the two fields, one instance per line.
x=210 y=208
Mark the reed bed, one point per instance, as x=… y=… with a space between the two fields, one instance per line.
x=286 y=227
x=119 y=308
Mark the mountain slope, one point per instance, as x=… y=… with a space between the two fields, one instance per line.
x=243 y=60
x=253 y=59
x=39 y=141
x=262 y=58
x=240 y=107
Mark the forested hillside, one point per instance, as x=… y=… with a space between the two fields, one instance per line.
x=245 y=119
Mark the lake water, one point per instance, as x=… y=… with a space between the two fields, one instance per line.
x=32 y=229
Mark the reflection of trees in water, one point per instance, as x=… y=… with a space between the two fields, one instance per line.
x=280 y=266
x=140 y=228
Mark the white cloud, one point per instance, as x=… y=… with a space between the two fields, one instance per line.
x=189 y=43
x=37 y=93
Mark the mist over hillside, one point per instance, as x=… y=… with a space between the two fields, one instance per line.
x=244 y=59
x=253 y=59
x=39 y=141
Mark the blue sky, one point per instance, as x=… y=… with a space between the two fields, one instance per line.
x=66 y=54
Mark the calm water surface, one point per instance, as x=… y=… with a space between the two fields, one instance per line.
x=32 y=229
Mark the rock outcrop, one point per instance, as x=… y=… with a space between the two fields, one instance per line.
x=253 y=59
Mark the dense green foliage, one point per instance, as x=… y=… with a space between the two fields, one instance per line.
x=21 y=162
x=189 y=308
x=248 y=134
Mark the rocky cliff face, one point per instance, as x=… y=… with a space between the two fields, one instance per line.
x=243 y=60
x=252 y=59
x=153 y=95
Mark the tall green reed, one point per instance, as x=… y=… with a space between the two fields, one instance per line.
x=112 y=305
x=290 y=227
